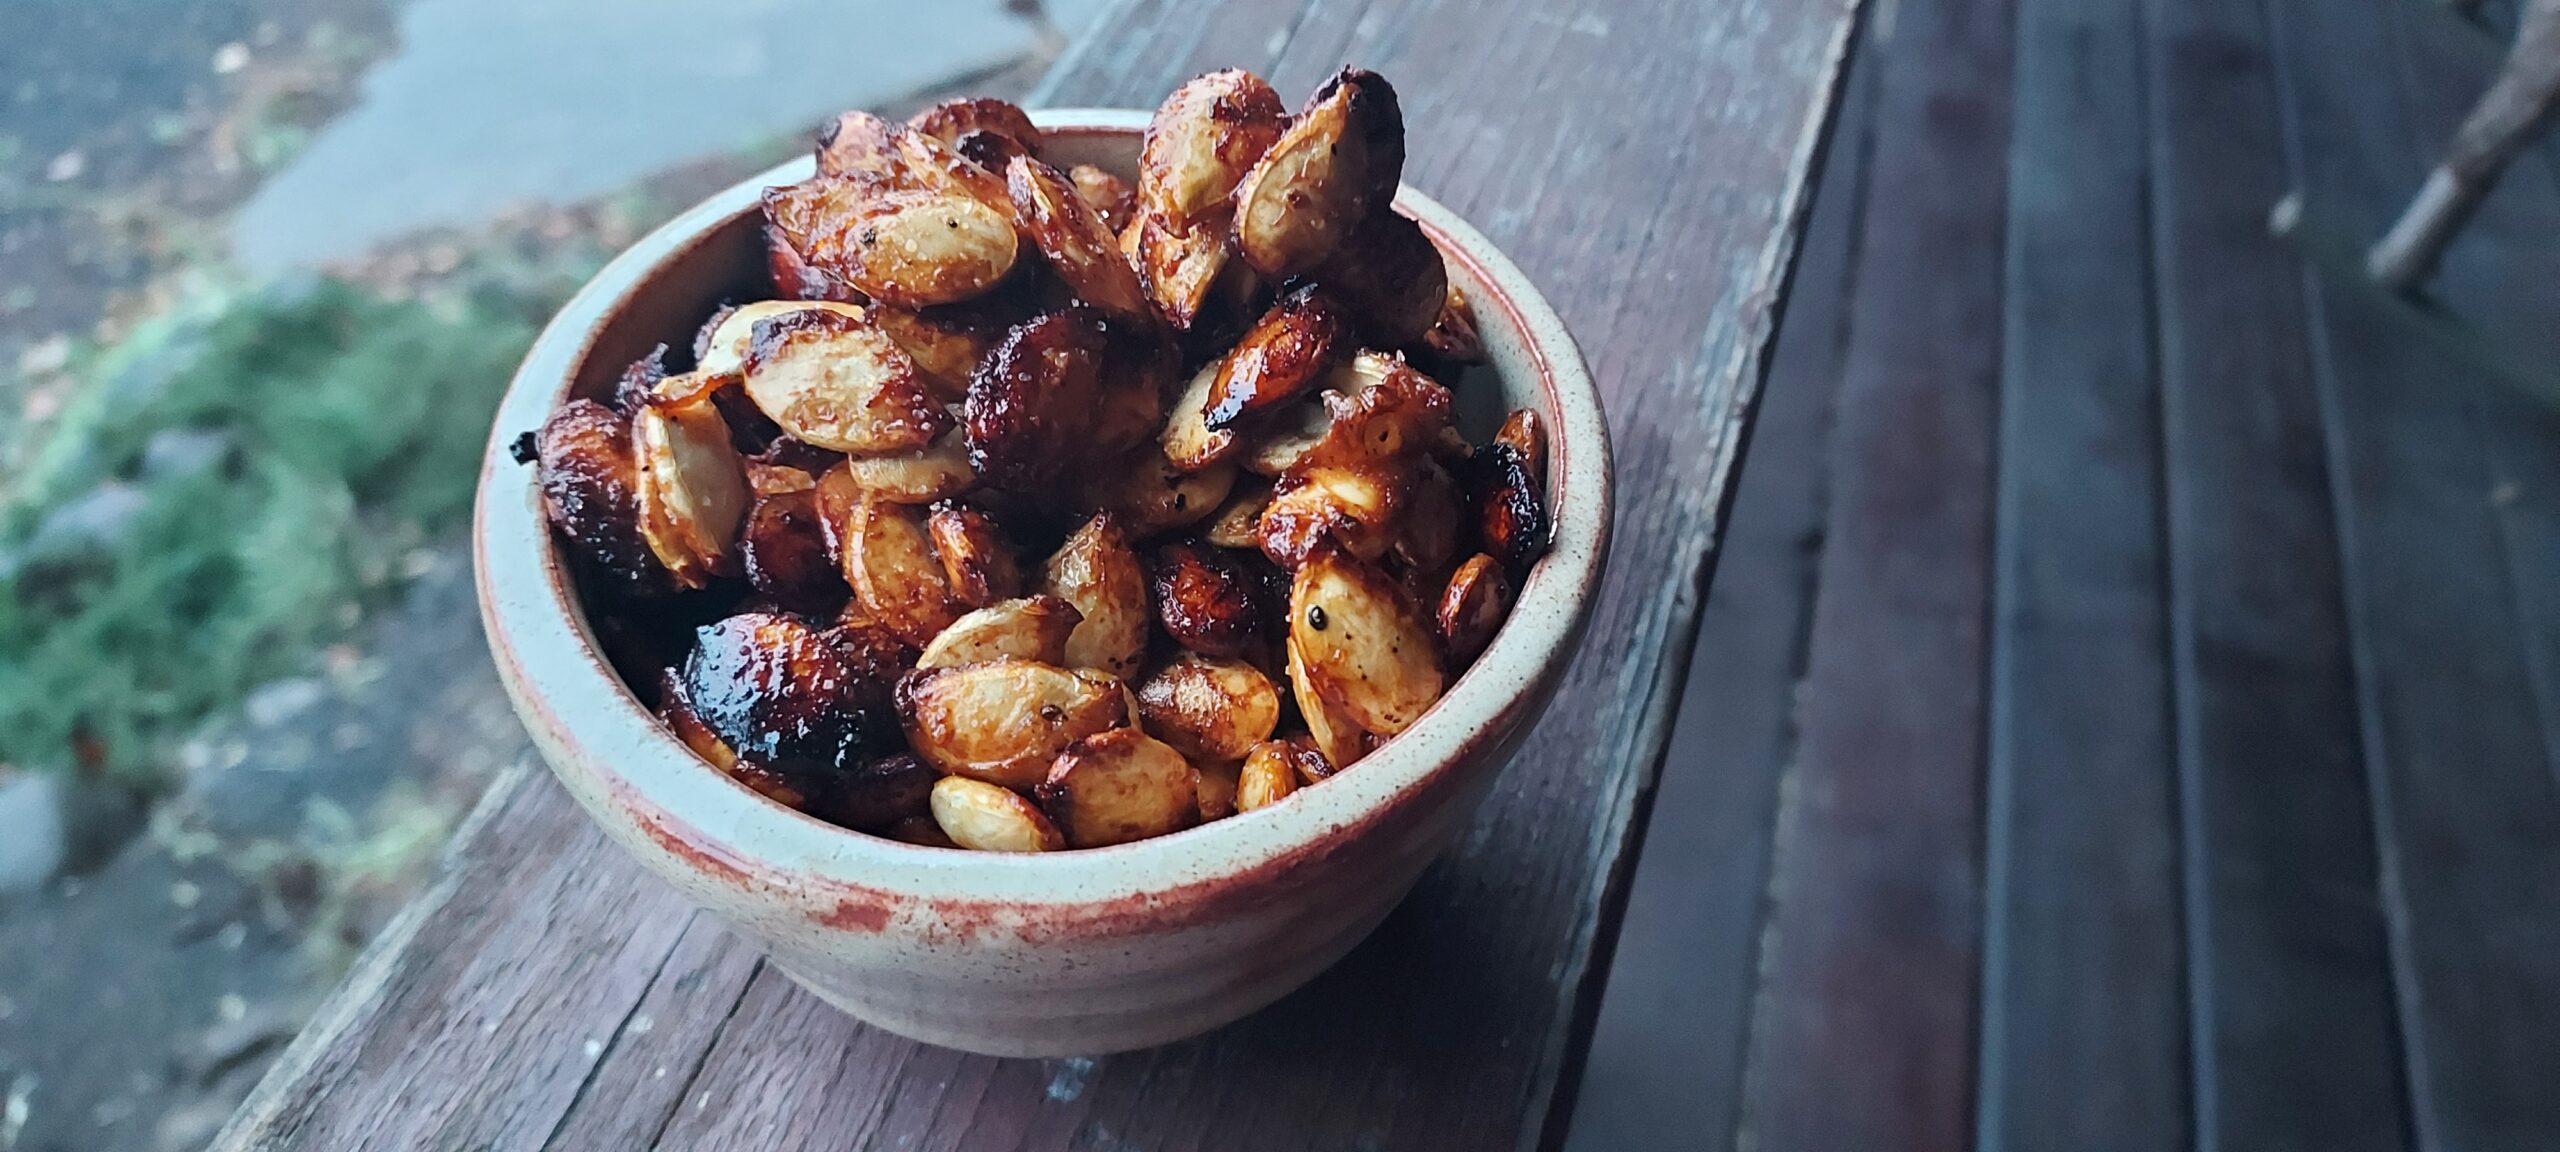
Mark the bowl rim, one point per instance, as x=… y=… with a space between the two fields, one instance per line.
x=616 y=752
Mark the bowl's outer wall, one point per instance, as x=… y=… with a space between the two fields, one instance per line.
x=1060 y=976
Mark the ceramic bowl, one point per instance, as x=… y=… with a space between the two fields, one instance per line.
x=1067 y=953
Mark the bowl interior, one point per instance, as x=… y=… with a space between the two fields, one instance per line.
x=610 y=750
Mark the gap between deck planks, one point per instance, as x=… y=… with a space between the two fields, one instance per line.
x=513 y=1017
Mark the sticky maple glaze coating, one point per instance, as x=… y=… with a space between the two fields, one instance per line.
x=951 y=120
x=1061 y=391
x=783 y=554
x=806 y=702
x=1202 y=141
x=591 y=492
x=1209 y=601
x=1282 y=357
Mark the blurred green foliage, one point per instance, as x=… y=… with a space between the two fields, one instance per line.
x=228 y=494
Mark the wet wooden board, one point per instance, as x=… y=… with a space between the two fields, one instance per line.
x=2292 y=1024
x=1666 y=1063
x=1646 y=162
x=1867 y=1002
x=2083 y=1017
x=2467 y=805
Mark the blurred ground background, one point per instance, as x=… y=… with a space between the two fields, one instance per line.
x=264 y=267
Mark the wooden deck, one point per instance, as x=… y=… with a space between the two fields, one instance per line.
x=2125 y=715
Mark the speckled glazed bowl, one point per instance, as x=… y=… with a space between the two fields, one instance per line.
x=1061 y=953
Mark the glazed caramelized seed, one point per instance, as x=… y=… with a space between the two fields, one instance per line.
x=942 y=169
x=1096 y=571
x=951 y=120
x=1313 y=768
x=1209 y=601
x=789 y=696
x=877 y=795
x=1109 y=196
x=859 y=146
x=833 y=380
x=1151 y=496
x=1120 y=786
x=987 y=818
x=1431 y=523
x=1188 y=441
x=1388 y=411
x=1511 y=514
x=1180 y=267
x=1472 y=607
x=1217 y=786
x=1209 y=708
x=1358 y=509
x=1340 y=158
x=1006 y=720
x=975 y=559
x=1336 y=736
x=1374 y=657
x=1295 y=434
x=1282 y=357
x=721 y=348
x=590 y=477
x=1032 y=401
x=1525 y=434
x=924 y=475
x=1202 y=141
x=1081 y=248
x=917 y=249
x=1270 y=774
x=1390 y=278
x=693 y=487
x=890 y=564
x=677 y=712
x=946 y=345
x=1453 y=336
x=785 y=555
x=1237 y=522
x=1031 y=628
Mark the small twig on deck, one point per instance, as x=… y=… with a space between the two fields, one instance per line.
x=2515 y=109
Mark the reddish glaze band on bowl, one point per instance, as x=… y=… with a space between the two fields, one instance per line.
x=1053 y=954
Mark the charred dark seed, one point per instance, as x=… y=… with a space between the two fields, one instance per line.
x=1315 y=617
x=523 y=449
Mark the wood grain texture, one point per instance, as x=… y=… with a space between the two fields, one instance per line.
x=1867 y=1007
x=2294 y=1037
x=2083 y=1016
x=1646 y=162
x=2466 y=805
x=1664 y=1073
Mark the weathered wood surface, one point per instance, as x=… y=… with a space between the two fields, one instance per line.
x=2293 y=1026
x=2269 y=644
x=1665 y=1070
x=1867 y=1004
x=1646 y=162
x=2083 y=1016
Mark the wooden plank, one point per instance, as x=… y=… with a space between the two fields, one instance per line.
x=1864 y=1036
x=2465 y=798
x=2083 y=1019
x=2294 y=1036
x=1656 y=197
x=1665 y=1067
